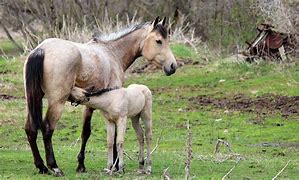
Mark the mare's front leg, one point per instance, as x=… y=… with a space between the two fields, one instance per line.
x=121 y=124
x=140 y=137
x=52 y=116
x=110 y=126
x=86 y=130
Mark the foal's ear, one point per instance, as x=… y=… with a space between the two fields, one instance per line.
x=155 y=22
x=163 y=22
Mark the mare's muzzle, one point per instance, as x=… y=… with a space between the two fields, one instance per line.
x=171 y=70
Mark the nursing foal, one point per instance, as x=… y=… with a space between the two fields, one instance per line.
x=117 y=105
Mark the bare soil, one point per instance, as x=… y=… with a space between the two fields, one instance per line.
x=262 y=105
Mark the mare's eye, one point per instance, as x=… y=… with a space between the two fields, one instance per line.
x=158 y=41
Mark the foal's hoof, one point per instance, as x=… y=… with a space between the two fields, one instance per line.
x=148 y=170
x=108 y=171
x=140 y=171
x=57 y=172
x=81 y=169
x=121 y=171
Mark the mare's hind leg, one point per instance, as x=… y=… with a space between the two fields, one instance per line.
x=140 y=137
x=31 y=132
x=52 y=116
x=84 y=136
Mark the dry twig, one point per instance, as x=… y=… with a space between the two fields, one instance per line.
x=110 y=171
x=158 y=142
x=166 y=174
x=189 y=151
x=128 y=156
x=220 y=142
x=231 y=169
x=281 y=170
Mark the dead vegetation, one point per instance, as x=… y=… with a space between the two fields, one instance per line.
x=7 y=97
x=287 y=106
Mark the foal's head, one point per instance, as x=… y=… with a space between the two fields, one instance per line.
x=78 y=96
x=156 y=47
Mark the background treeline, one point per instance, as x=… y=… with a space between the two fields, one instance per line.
x=223 y=24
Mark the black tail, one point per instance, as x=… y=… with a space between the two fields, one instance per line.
x=34 y=93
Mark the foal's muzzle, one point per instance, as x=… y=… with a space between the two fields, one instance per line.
x=171 y=70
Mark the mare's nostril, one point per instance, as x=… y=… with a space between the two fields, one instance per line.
x=172 y=66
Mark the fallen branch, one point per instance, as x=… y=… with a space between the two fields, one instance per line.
x=231 y=169
x=281 y=170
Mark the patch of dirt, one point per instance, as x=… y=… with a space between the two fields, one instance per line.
x=150 y=67
x=263 y=105
x=7 y=97
x=268 y=144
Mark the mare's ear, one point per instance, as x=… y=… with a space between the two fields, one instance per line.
x=155 y=22
x=163 y=22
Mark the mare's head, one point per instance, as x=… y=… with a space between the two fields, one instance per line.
x=156 y=47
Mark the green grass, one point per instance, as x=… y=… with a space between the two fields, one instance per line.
x=171 y=110
x=7 y=47
x=11 y=78
x=182 y=51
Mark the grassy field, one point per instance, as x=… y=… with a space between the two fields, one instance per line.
x=260 y=144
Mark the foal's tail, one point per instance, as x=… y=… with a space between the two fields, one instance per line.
x=148 y=95
x=33 y=74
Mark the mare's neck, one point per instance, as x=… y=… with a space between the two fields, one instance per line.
x=128 y=48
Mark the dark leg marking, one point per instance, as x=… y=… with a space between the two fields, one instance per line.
x=32 y=136
x=115 y=153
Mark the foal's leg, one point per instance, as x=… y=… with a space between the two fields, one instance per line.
x=84 y=136
x=52 y=116
x=110 y=126
x=140 y=137
x=31 y=132
x=121 y=131
x=146 y=116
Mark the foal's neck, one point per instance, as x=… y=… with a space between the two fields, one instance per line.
x=128 y=48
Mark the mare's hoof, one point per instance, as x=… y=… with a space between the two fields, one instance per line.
x=81 y=169
x=57 y=172
x=43 y=170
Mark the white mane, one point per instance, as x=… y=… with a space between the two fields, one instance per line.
x=121 y=33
